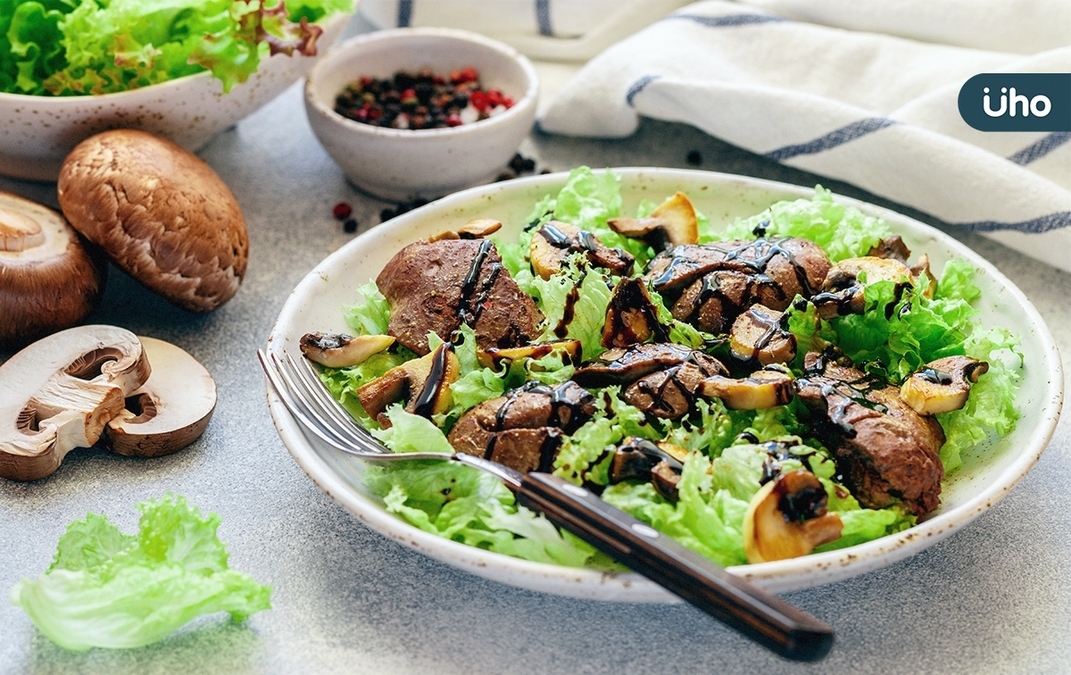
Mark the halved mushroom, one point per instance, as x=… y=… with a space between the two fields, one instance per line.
x=758 y=335
x=766 y=388
x=423 y=383
x=671 y=224
x=631 y=316
x=60 y=392
x=338 y=350
x=555 y=241
x=843 y=292
x=788 y=517
x=51 y=281
x=477 y=228
x=942 y=385
x=493 y=358
x=170 y=410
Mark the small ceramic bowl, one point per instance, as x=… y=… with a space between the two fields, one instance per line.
x=37 y=132
x=405 y=164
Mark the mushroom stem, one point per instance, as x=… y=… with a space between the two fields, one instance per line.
x=18 y=232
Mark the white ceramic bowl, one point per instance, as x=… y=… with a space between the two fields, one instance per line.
x=988 y=472
x=404 y=164
x=37 y=132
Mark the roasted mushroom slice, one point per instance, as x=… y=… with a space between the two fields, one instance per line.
x=523 y=429
x=631 y=316
x=555 y=241
x=423 y=383
x=843 y=291
x=942 y=385
x=672 y=223
x=339 y=350
x=493 y=358
x=477 y=228
x=788 y=517
x=766 y=388
x=892 y=247
x=759 y=335
x=640 y=459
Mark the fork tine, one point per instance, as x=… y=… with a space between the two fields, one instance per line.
x=304 y=415
x=306 y=380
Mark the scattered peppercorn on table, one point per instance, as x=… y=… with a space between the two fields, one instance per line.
x=992 y=598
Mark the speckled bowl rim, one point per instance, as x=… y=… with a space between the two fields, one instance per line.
x=787 y=575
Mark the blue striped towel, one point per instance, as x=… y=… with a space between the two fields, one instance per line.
x=876 y=108
x=863 y=91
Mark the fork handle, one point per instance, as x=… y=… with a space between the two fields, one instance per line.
x=759 y=615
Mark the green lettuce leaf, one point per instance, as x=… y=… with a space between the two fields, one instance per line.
x=108 y=589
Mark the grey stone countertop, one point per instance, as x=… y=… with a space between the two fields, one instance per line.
x=993 y=598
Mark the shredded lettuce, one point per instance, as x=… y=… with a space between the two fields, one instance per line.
x=80 y=47
x=109 y=589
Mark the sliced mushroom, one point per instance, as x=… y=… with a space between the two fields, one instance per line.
x=631 y=316
x=50 y=280
x=60 y=392
x=673 y=223
x=493 y=358
x=338 y=350
x=758 y=335
x=942 y=385
x=843 y=292
x=477 y=228
x=555 y=241
x=423 y=383
x=788 y=517
x=762 y=389
x=170 y=410
x=892 y=247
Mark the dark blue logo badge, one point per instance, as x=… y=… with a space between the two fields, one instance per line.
x=1017 y=102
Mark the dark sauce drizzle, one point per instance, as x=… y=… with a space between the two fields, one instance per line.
x=474 y=292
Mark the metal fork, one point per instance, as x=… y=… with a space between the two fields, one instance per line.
x=742 y=606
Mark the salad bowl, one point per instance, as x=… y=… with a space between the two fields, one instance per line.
x=37 y=132
x=988 y=472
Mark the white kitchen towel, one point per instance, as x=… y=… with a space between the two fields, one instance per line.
x=876 y=108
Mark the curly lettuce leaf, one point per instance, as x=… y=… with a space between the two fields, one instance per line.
x=82 y=47
x=108 y=589
x=842 y=230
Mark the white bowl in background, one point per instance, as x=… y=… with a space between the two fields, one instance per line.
x=405 y=164
x=37 y=132
x=989 y=470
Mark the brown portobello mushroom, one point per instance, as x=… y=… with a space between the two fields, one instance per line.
x=49 y=279
x=160 y=213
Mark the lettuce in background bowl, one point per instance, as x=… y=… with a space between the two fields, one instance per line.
x=43 y=115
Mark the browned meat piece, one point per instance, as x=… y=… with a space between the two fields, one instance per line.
x=709 y=285
x=885 y=451
x=623 y=366
x=524 y=429
x=437 y=286
x=670 y=393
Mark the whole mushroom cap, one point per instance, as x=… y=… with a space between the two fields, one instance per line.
x=160 y=213
x=48 y=279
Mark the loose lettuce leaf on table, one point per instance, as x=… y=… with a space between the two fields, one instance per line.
x=109 y=589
